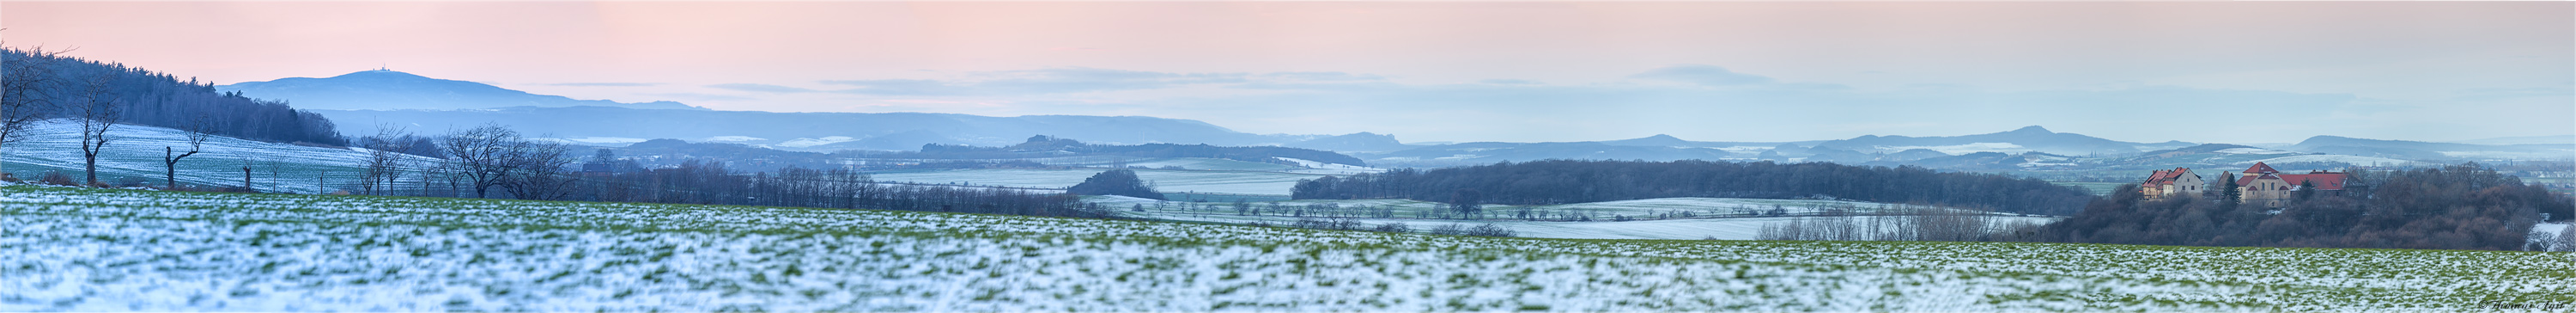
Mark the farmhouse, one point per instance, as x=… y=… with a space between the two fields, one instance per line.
x=2262 y=185
x=2169 y=183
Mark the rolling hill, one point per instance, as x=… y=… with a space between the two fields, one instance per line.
x=391 y=90
x=134 y=153
x=119 y=250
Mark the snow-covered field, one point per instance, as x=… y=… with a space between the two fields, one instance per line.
x=114 y=250
x=731 y=139
x=2549 y=229
x=1718 y=218
x=1316 y=167
x=597 y=141
x=136 y=151
x=2348 y=159
x=809 y=142
x=2003 y=147
x=1204 y=164
x=1245 y=182
x=2253 y=151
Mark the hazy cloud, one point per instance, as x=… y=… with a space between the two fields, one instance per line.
x=1084 y=79
x=604 y=84
x=1750 y=107
x=698 y=96
x=1756 y=112
x=760 y=88
x=1318 y=76
x=900 y=87
x=2476 y=94
x=1701 y=74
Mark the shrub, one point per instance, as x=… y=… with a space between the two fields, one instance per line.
x=1489 y=230
x=1449 y=230
x=57 y=178
x=1393 y=228
x=1118 y=182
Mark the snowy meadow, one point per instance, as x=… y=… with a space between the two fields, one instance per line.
x=65 y=249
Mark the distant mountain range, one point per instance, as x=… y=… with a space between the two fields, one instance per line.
x=359 y=101
x=2026 y=139
x=1858 y=150
x=391 y=90
x=804 y=131
x=2418 y=150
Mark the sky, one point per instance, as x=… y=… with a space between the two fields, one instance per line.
x=2231 y=72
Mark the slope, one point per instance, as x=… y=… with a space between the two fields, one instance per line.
x=118 y=250
x=903 y=131
x=134 y=152
x=2026 y=139
x=391 y=90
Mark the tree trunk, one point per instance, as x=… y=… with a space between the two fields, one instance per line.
x=90 y=169
x=170 y=169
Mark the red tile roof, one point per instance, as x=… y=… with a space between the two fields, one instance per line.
x=2260 y=168
x=2324 y=180
x=2163 y=177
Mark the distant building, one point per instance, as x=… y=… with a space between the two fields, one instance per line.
x=2168 y=183
x=2267 y=187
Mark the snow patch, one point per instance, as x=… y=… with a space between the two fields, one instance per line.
x=596 y=141
x=2347 y=159
x=809 y=142
x=1316 y=167
x=732 y=139
x=1742 y=149
x=2252 y=151
x=2003 y=147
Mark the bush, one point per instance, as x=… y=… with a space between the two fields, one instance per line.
x=1449 y=230
x=1489 y=230
x=1118 y=182
x=57 y=178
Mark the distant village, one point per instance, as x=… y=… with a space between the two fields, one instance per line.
x=2259 y=185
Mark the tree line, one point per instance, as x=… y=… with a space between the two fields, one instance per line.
x=38 y=84
x=1915 y=224
x=495 y=161
x=2453 y=207
x=1579 y=181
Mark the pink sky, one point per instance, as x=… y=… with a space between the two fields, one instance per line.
x=2397 y=59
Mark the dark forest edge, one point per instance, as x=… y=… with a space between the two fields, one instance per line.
x=41 y=84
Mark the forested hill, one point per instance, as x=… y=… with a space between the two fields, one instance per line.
x=56 y=85
x=1565 y=181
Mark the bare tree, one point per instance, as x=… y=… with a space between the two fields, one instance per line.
x=196 y=130
x=483 y=154
x=2566 y=239
x=98 y=113
x=385 y=160
x=543 y=171
x=24 y=98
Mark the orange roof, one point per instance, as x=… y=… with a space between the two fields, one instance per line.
x=2324 y=180
x=2260 y=168
x=2163 y=177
